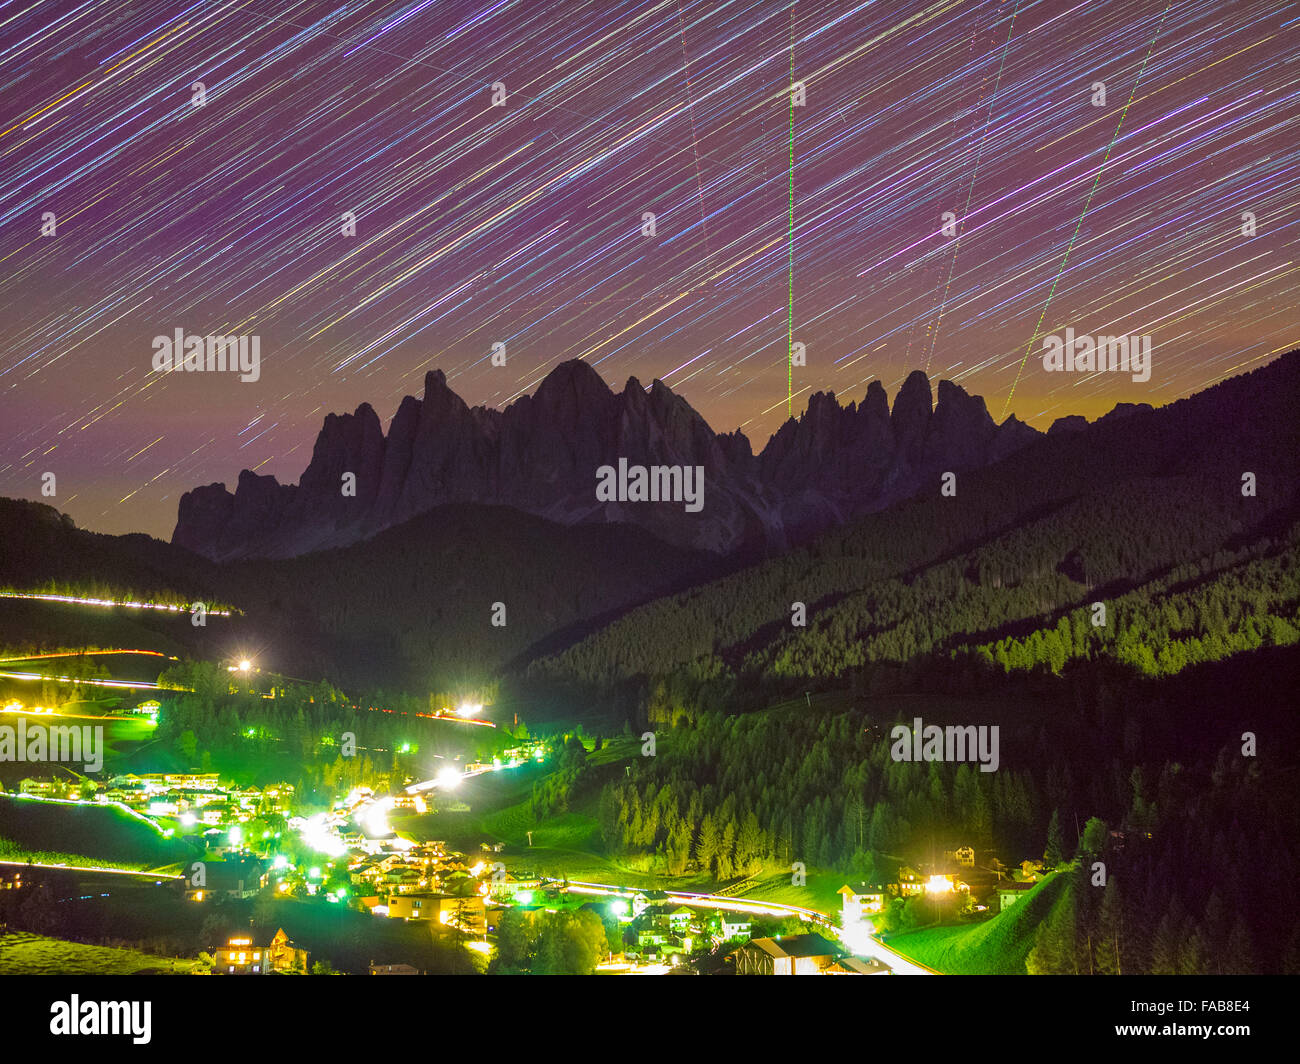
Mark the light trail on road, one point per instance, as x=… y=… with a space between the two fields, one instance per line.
x=128 y=603
x=141 y=684
x=85 y=653
x=93 y=868
x=871 y=947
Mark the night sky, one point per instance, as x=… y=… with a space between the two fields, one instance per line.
x=522 y=224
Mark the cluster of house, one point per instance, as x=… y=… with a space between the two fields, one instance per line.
x=198 y=795
x=426 y=882
x=994 y=886
x=661 y=929
x=194 y=797
x=428 y=866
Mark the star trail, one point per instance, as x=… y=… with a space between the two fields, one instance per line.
x=197 y=161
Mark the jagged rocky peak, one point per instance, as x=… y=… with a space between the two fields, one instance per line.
x=541 y=452
x=912 y=410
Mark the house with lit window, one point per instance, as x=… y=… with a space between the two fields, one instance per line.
x=199 y=781
x=1010 y=893
x=964 y=856
x=862 y=900
x=287 y=956
x=512 y=884
x=241 y=956
x=467 y=914
x=244 y=955
x=734 y=926
x=228 y=879
x=669 y=918
x=650 y=936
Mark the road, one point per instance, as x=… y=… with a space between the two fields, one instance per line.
x=866 y=946
x=154 y=876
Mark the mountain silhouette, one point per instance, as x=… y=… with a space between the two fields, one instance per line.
x=541 y=453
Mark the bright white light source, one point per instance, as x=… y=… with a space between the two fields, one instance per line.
x=245 y=665
x=448 y=777
x=374 y=817
x=468 y=709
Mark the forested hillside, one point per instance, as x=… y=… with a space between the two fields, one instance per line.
x=1157 y=760
x=410 y=609
x=1147 y=514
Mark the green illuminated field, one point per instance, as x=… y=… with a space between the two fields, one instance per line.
x=994 y=947
x=97 y=833
x=26 y=954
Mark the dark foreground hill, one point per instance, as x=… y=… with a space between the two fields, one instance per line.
x=411 y=608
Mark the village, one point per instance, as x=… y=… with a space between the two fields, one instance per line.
x=253 y=842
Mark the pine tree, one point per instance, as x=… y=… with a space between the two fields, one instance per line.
x=1053 y=952
x=1054 y=853
x=1110 y=931
x=1192 y=957
x=706 y=844
x=1166 y=943
x=1239 y=953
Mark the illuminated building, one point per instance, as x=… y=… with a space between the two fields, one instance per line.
x=463 y=913
x=241 y=955
x=807 y=954
x=1010 y=893
x=862 y=900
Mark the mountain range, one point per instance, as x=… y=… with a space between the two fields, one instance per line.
x=1140 y=495
x=541 y=453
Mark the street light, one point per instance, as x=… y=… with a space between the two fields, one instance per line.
x=245 y=665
